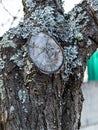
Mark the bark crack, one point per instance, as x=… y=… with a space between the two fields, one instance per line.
x=91 y=11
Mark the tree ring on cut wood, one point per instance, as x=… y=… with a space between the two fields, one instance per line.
x=45 y=53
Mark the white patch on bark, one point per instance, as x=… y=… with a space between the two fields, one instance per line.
x=79 y=75
x=89 y=43
x=12 y=109
x=22 y=95
x=25 y=109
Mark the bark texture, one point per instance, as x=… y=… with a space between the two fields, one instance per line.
x=30 y=99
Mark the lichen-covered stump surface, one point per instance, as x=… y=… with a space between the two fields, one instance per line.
x=43 y=92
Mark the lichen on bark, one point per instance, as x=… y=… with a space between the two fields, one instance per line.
x=31 y=99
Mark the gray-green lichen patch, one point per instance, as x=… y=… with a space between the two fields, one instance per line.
x=78 y=36
x=42 y=19
x=18 y=58
x=2 y=62
x=5 y=42
x=37 y=22
x=93 y=4
x=30 y=4
x=79 y=19
x=71 y=53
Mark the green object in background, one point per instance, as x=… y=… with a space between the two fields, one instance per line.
x=93 y=67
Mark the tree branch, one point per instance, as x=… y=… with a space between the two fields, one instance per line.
x=46 y=101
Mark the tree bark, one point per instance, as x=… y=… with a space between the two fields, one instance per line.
x=31 y=99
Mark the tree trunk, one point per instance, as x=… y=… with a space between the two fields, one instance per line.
x=31 y=99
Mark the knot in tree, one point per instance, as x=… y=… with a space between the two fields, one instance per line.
x=35 y=100
x=46 y=54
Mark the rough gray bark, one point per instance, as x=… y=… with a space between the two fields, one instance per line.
x=30 y=99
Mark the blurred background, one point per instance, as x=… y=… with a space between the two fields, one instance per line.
x=11 y=13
